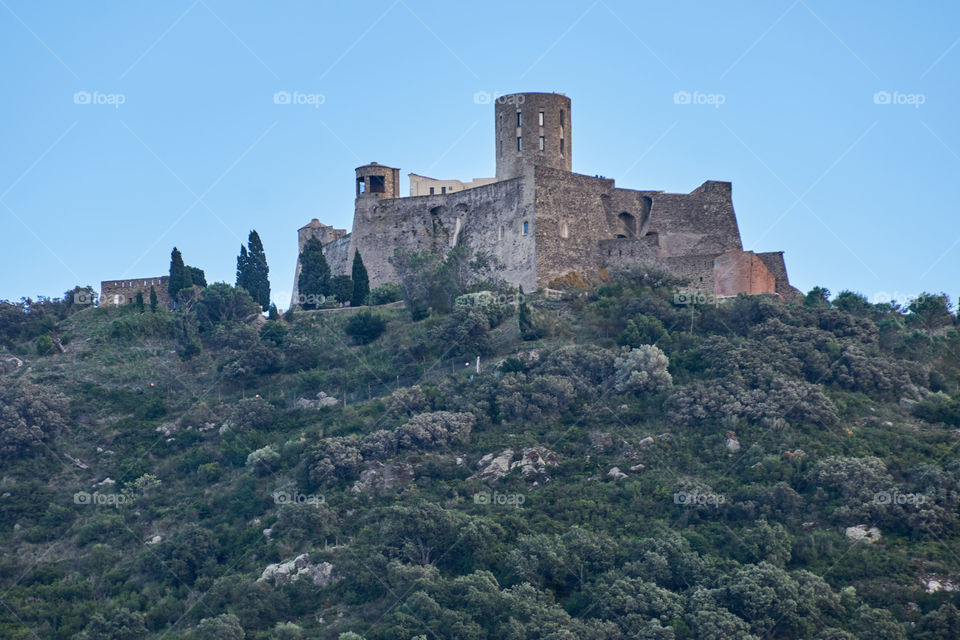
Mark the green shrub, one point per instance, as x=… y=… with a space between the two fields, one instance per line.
x=386 y=293
x=365 y=327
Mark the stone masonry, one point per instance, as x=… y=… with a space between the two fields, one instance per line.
x=542 y=221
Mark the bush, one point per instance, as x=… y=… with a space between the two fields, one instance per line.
x=29 y=414
x=365 y=327
x=45 y=345
x=643 y=369
x=386 y=293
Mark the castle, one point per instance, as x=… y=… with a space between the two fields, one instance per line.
x=542 y=221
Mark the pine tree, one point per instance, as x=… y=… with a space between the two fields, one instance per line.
x=314 y=280
x=361 y=282
x=197 y=277
x=259 y=273
x=153 y=299
x=179 y=276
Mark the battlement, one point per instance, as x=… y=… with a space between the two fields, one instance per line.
x=120 y=292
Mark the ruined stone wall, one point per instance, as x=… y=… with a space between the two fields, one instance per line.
x=697 y=270
x=701 y=222
x=776 y=266
x=738 y=272
x=488 y=218
x=117 y=292
x=571 y=222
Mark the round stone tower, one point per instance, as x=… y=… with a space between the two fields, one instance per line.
x=378 y=181
x=532 y=129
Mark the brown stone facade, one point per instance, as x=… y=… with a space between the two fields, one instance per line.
x=120 y=292
x=543 y=221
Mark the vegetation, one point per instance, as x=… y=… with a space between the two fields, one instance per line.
x=615 y=465
x=314 y=282
x=253 y=274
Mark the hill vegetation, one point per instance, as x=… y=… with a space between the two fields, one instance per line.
x=617 y=462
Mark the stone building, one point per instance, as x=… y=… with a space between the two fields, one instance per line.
x=119 y=292
x=542 y=221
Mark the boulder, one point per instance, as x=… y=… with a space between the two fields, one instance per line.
x=297 y=569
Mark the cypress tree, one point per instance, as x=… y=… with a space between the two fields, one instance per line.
x=153 y=299
x=314 y=280
x=243 y=269
x=179 y=276
x=197 y=277
x=259 y=273
x=139 y=301
x=361 y=282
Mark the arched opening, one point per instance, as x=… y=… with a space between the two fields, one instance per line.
x=628 y=225
x=436 y=211
x=564 y=229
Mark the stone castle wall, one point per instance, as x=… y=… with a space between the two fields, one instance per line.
x=488 y=218
x=118 y=292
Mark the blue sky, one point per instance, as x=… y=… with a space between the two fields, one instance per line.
x=181 y=142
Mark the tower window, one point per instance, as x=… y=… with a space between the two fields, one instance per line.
x=541 y=143
x=519 y=143
x=526 y=227
x=500 y=233
x=541 y=118
x=561 y=118
x=564 y=231
x=561 y=146
x=361 y=186
x=377 y=184
x=519 y=118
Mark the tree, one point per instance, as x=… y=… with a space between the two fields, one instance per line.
x=118 y=625
x=342 y=288
x=361 y=282
x=243 y=268
x=153 y=299
x=222 y=303
x=179 y=276
x=365 y=327
x=314 y=280
x=528 y=329
x=930 y=312
x=257 y=280
x=139 y=301
x=197 y=277
x=817 y=298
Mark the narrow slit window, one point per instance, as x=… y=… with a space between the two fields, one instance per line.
x=526 y=227
x=519 y=118
x=561 y=146
x=542 y=142
x=541 y=118
x=519 y=143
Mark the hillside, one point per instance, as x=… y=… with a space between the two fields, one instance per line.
x=623 y=462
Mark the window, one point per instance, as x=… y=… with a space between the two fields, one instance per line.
x=561 y=146
x=519 y=143
x=564 y=231
x=377 y=184
x=541 y=118
x=500 y=233
x=443 y=190
x=526 y=227
x=561 y=119
x=431 y=190
x=541 y=143
x=519 y=118
x=361 y=186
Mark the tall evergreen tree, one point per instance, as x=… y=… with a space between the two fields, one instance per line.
x=361 y=282
x=153 y=299
x=314 y=280
x=197 y=276
x=259 y=278
x=243 y=269
x=179 y=276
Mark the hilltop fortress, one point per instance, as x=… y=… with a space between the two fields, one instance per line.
x=542 y=221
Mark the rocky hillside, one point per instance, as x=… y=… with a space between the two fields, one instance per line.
x=621 y=462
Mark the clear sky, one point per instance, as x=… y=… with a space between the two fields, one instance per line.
x=178 y=139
